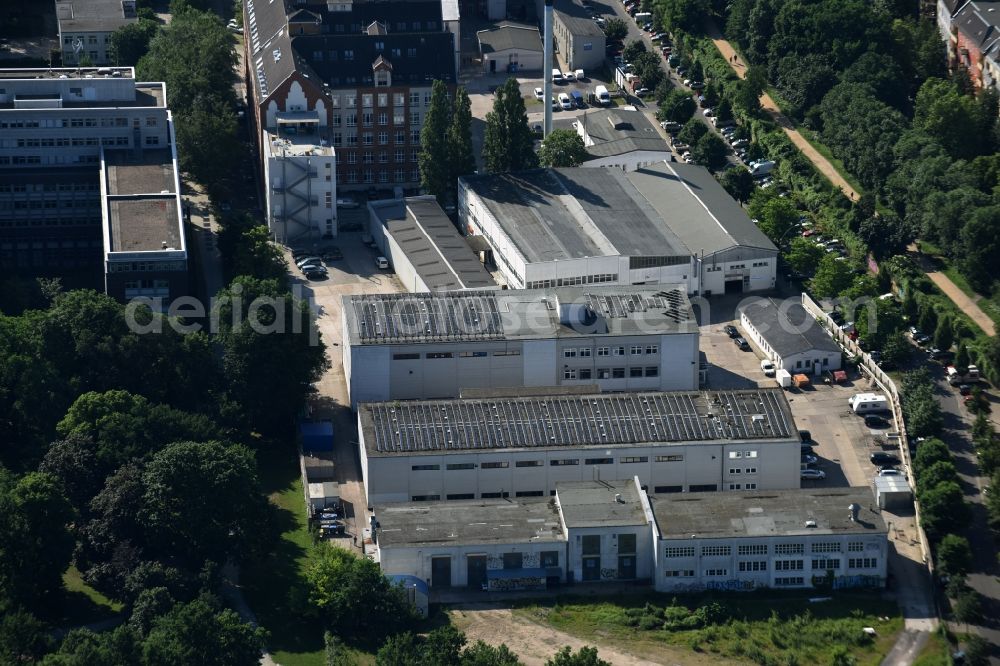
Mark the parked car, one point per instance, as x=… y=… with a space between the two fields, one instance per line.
x=333 y=254
x=883 y=459
x=875 y=422
x=741 y=343
x=964 y=389
x=539 y=94
x=922 y=339
x=889 y=471
x=381 y=263
x=314 y=272
x=767 y=367
x=809 y=459
x=311 y=259
x=670 y=126
x=936 y=354
x=812 y=474
x=731 y=331
x=697 y=85
x=569 y=74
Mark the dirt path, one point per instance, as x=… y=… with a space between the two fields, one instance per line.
x=951 y=290
x=535 y=643
x=772 y=110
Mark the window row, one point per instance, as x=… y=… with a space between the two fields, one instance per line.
x=742 y=470
x=367 y=176
x=558 y=462
x=572 y=281
x=611 y=373
x=633 y=350
x=742 y=486
x=407 y=356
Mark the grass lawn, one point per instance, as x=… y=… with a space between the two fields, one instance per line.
x=937 y=651
x=83 y=604
x=988 y=304
x=271 y=585
x=766 y=628
x=825 y=151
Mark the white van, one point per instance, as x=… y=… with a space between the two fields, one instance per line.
x=557 y=76
x=868 y=403
x=602 y=95
x=642 y=17
x=565 y=102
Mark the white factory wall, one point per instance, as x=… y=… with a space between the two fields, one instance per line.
x=611 y=564
x=684 y=566
x=631 y=161
x=809 y=362
x=663 y=468
x=417 y=561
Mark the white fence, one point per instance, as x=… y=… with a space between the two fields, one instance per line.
x=885 y=382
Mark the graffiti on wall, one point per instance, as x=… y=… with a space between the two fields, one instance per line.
x=844 y=582
x=531 y=560
x=609 y=574
x=732 y=585
x=494 y=562
x=515 y=584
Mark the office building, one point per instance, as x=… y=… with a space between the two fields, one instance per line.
x=85 y=29
x=409 y=346
x=89 y=184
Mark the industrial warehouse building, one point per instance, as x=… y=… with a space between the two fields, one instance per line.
x=598 y=531
x=423 y=246
x=509 y=47
x=484 y=448
x=790 y=336
x=789 y=539
x=411 y=346
x=667 y=223
x=623 y=137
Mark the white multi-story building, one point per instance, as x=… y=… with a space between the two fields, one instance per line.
x=604 y=531
x=88 y=178
x=666 y=223
x=791 y=539
x=86 y=26
x=497 y=447
x=411 y=346
x=300 y=171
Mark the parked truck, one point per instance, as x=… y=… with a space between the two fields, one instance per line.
x=762 y=168
x=626 y=81
x=970 y=376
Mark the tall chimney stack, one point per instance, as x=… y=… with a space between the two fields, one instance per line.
x=547 y=69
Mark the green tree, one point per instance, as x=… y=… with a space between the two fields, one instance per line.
x=207 y=144
x=632 y=50
x=272 y=352
x=710 y=151
x=562 y=148
x=433 y=160
x=962 y=357
x=677 y=106
x=508 y=144
x=929 y=452
x=484 y=654
x=460 y=154
x=938 y=473
x=202 y=632
x=954 y=555
x=927 y=321
x=684 y=15
x=203 y=503
x=255 y=254
x=804 y=256
x=804 y=80
x=943 y=335
x=130 y=42
x=980 y=253
x=399 y=650
x=23 y=637
x=585 y=656
x=954 y=119
x=775 y=215
x=943 y=510
x=968 y=607
x=352 y=596
x=73 y=463
x=649 y=67
x=831 y=278
x=83 y=647
x=615 y=29
x=896 y=349
x=693 y=130
x=335 y=653
x=738 y=182
x=37 y=544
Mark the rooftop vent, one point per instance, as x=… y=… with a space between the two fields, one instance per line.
x=811 y=523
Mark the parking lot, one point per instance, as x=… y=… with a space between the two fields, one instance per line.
x=842 y=442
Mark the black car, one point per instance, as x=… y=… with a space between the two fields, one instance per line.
x=742 y=344
x=731 y=331
x=875 y=421
x=883 y=459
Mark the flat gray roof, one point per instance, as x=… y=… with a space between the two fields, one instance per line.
x=688 y=199
x=142 y=201
x=517 y=314
x=600 y=503
x=433 y=245
x=508 y=36
x=555 y=214
x=468 y=522
x=620 y=131
x=598 y=420
x=787 y=327
x=765 y=513
x=94 y=15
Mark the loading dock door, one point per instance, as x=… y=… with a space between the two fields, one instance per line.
x=734 y=286
x=626 y=567
x=440 y=572
x=476 y=568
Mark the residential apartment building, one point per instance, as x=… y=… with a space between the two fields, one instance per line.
x=86 y=26
x=971 y=29
x=522 y=446
x=665 y=223
x=611 y=531
x=411 y=346
x=88 y=179
x=350 y=80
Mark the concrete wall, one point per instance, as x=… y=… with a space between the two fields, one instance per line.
x=662 y=468
x=527 y=61
x=609 y=565
x=706 y=571
x=418 y=561
x=296 y=179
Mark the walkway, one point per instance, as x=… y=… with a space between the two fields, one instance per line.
x=769 y=106
x=943 y=282
x=951 y=290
